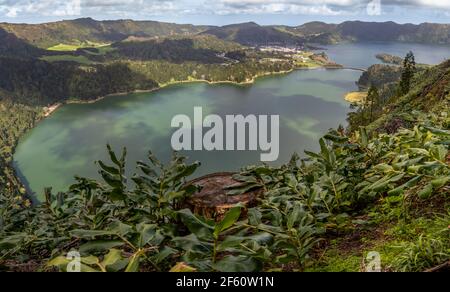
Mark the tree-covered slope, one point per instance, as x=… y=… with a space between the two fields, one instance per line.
x=252 y=34
x=12 y=46
x=86 y=29
x=360 y=31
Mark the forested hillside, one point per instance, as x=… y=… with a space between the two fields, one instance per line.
x=429 y=33
x=15 y=120
x=252 y=34
x=89 y=30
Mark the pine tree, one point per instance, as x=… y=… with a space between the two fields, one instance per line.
x=372 y=101
x=409 y=69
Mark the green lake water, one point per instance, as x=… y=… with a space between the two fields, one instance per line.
x=67 y=143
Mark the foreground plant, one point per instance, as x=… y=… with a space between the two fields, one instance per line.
x=142 y=224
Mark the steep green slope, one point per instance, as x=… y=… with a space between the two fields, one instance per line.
x=252 y=34
x=87 y=29
x=80 y=32
x=203 y=49
x=430 y=93
x=15 y=120
x=429 y=33
x=12 y=46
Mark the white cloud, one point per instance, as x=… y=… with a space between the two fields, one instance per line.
x=12 y=12
x=149 y=8
x=434 y=3
x=41 y=7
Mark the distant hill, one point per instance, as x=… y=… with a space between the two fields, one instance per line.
x=315 y=27
x=252 y=34
x=12 y=46
x=87 y=29
x=199 y=48
x=374 y=31
x=378 y=31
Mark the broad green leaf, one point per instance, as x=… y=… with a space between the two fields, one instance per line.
x=364 y=137
x=242 y=188
x=163 y=254
x=440 y=152
x=192 y=243
x=335 y=138
x=195 y=225
x=114 y=261
x=171 y=196
x=99 y=246
x=62 y=263
x=294 y=216
x=228 y=221
x=90 y=260
x=324 y=150
x=146 y=169
x=237 y=264
x=120 y=228
x=419 y=151
x=383 y=168
x=437 y=131
x=254 y=216
x=133 y=265
x=112 y=155
x=243 y=178
x=149 y=234
x=426 y=192
x=411 y=183
x=440 y=182
x=88 y=234
x=146 y=233
x=109 y=169
x=113 y=256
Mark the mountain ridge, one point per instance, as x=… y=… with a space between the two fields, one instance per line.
x=81 y=30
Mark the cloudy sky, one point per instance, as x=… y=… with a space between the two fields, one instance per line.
x=219 y=12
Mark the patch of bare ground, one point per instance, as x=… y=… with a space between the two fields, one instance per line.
x=27 y=267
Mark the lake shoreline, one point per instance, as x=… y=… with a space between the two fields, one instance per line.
x=165 y=85
x=201 y=94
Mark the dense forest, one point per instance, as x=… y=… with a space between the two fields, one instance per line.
x=41 y=77
x=83 y=30
x=15 y=120
x=41 y=83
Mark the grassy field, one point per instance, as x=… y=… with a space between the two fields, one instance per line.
x=68 y=58
x=303 y=59
x=73 y=47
